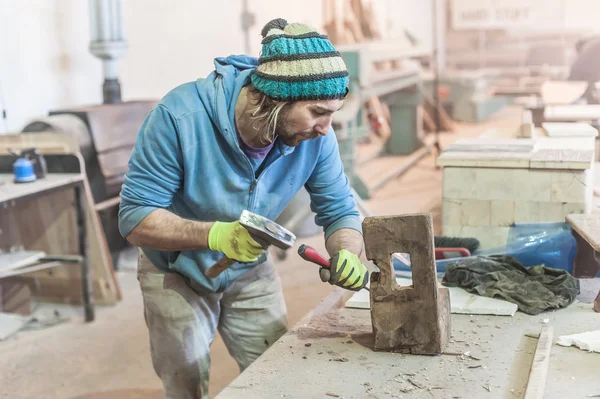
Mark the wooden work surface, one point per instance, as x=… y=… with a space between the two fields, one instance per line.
x=9 y=190
x=588 y=226
x=327 y=354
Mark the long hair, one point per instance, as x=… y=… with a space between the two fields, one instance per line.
x=266 y=113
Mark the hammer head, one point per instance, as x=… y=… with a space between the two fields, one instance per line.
x=266 y=230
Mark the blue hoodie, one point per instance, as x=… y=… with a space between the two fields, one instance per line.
x=187 y=159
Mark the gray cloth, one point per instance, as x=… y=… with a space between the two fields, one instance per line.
x=534 y=289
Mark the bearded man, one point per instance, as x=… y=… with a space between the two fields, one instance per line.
x=249 y=136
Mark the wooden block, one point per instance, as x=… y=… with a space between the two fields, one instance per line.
x=539 y=366
x=569 y=186
x=414 y=319
x=502 y=213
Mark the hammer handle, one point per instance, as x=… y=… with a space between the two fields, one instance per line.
x=310 y=254
x=218 y=268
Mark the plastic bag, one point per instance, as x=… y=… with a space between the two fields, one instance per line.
x=532 y=244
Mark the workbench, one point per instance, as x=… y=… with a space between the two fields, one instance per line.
x=328 y=354
x=12 y=193
x=587 y=261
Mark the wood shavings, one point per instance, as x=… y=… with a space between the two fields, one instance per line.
x=487 y=387
x=339 y=359
x=333 y=395
x=415 y=383
x=475 y=367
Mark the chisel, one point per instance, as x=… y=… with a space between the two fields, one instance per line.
x=311 y=255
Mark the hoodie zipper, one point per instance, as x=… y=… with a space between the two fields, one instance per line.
x=251 y=202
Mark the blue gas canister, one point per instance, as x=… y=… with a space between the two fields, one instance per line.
x=23 y=171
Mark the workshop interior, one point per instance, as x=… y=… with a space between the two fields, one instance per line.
x=469 y=143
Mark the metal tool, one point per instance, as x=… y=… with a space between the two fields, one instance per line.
x=261 y=229
x=311 y=255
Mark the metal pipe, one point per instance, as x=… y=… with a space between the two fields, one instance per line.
x=107 y=42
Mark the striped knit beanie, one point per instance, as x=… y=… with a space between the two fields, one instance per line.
x=297 y=64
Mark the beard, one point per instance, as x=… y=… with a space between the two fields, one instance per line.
x=290 y=137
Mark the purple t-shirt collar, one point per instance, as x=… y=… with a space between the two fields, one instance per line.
x=254 y=153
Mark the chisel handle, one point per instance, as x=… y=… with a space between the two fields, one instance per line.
x=310 y=254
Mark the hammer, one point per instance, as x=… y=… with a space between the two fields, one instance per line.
x=263 y=231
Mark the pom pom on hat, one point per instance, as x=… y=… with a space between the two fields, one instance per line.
x=277 y=23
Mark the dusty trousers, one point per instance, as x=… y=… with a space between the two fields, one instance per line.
x=250 y=316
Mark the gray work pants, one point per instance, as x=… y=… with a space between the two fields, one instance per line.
x=250 y=315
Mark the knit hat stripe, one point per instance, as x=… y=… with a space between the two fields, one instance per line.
x=288 y=36
x=326 y=89
x=301 y=56
x=303 y=78
x=297 y=68
x=297 y=46
x=298 y=63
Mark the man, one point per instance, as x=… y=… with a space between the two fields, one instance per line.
x=249 y=136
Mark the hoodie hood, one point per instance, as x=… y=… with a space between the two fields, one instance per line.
x=219 y=91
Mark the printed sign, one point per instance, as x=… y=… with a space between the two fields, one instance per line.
x=492 y=14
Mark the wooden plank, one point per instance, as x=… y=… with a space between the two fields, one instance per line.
x=539 y=367
x=15 y=260
x=53 y=143
x=9 y=190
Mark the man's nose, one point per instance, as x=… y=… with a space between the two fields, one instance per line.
x=323 y=127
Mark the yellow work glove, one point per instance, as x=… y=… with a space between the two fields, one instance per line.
x=234 y=241
x=346 y=271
